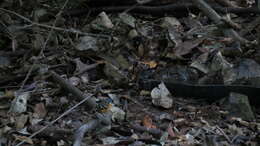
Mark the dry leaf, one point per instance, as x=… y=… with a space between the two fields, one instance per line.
x=148 y=122
x=151 y=64
x=186 y=47
x=23 y=138
x=9 y=93
x=20 y=121
x=170 y=130
x=161 y=96
x=40 y=110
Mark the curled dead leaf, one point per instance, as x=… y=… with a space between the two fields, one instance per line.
x=148 y=122
x=23 y=138
x=151 y=64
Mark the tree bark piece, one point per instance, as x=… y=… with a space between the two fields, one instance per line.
x=216 y=18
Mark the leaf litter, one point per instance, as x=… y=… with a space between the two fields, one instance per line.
x=84 y=76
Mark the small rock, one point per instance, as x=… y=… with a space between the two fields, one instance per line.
x=87 y=43
x=132 y=33
x=19 y=104
x=102 y=23
x=127 y=19
x=238 y=106
x=168 y=22
x=161 y=96
x=74 y=81
x=105 y=21
x=117 y=114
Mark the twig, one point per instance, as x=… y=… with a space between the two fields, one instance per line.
x=5 y=29
x=83 y=129
x=139 y=3
x=27 y=77
x=71 y=89
x=224 y=134
x=18 y=15
x=45 y=43
x=53 y=132
x=131 y=99
x=61 y=116
x=71 y=30
x=214 y=16
x=228 y=22
x=250 y=26
x=88 y=67
x=226 y=3
x=102 y=120
x=54 y=23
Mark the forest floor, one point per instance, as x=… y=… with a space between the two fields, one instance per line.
x=144 y=74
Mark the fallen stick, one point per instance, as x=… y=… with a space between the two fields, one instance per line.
x=90 y=103
x=217 y=19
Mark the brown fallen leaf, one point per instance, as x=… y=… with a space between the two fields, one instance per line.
x=23 y=138
x=187 y=46
x=170 y=130
x=151 y=64
x=40 y=110
x=148 y=122
x=20 y=121
x=9 y=93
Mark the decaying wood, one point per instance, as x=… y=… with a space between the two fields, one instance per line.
x=216 y=18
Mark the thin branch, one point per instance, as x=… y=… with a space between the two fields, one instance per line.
x=45 y=43
x=224 y=134
x=90 y=104
x=18 y=15
x=27 y=77
x=61 y=116
x=54 y=24
x=214 y=16
x=101 y=121
x=71 y=30
x=84 y=129
x=226 y=3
